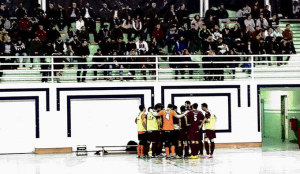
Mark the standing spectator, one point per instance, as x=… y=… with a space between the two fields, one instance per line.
x=183 y=15
x=170 y=13
x=24 y=25
x=90 y=25
x=99 y=65
x=262 y=22
x=41 y=33
x=226 y=35
x=170 y=37
x=79 y=23
x=61 y=17
x=116 y=33
x=241 y=15
x=20 y=50
x=104 y=14
x=255 y=12
x=210 y=23
x=223 y=15
x=73 y=13
x=51 y=12
x=249 y=22
x=20 y=11
x=127 y=11
x=70 y=35
x=8 y=49
x=74 y=47
x=210 y=12
x=48 y=50
x=83 y=52
x=35 y=49
x=60 y=49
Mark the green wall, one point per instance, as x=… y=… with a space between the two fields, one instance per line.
x=271 y=115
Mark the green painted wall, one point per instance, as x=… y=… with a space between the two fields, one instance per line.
x=271 y=116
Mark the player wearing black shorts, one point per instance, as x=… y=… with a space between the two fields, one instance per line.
x=210 y=134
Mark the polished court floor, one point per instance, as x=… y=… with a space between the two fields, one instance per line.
x=273 y=159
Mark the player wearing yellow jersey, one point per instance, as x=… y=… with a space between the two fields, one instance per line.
x=210 y=134
x=141 y=125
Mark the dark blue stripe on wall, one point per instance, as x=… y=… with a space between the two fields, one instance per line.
x=249 y=95
x=238 y=87
x=36 y=99
x=269 y=86
x=69 y=98
x=58 y=90
x=228 y=95
x=32 y=90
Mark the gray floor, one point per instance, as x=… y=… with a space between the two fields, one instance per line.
x=274 y=159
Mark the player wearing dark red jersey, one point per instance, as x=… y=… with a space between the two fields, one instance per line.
x=182 y=136
x=210 y=134
x=195 y=118
x=187 y=105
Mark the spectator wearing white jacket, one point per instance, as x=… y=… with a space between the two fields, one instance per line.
x=79 y=24
x=249 y=22
x=142 y=46
x=262 y=22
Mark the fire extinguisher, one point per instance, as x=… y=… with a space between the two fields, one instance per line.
x=293 y=123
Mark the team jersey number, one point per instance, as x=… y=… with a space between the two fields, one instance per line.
x=195 y=116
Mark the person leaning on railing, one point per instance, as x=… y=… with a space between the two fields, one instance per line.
x=48 y=50
x=8 y=49
x=60 y=50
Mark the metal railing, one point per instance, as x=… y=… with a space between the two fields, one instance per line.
x=154 y=68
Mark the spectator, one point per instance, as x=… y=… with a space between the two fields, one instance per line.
x=51 y=12
x=127 y=26
x=158 y=34
x=99 y=65
x=266 y=12
x=119 y=46
x=35 y=49
x=103 y=34
x=24 y=25
x=194 y=40
x=226 y=34
x=60 y=49
x=73 y=13
x=179 y=45
x=262 y=22
x=274 y=22
x=48 y=50
x=210 y=13
x=20 y=50
x=41 y=33
x=197 y=22
x=131 y=45
x=236 y=33
x=137 y=26
x=255 y=12
x=38 y=12
x=204 y=33
x=52 y=34
x=83 y=34
x=104 y=14
x=83 y=52
x=222 y=15
x=278 y=33
x=142 y=46
x=20 y=11
x=61 y=17
x=210 y=23
x=272 y=48
x=249 y=22
x=74 y=46
x=88 y=12
x=79 y=24
x=8 y=49
x=116 y=65
x=4 y=12
x=127 y=11
x=171 y=13
x=216 y=33
x=116 y=33
x=183 y=15
x=70 y=35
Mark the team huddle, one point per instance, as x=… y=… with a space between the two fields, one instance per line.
x=177 y=132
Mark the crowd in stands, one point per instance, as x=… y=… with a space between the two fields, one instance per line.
x=147 y=31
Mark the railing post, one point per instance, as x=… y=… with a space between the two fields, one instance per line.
x=252 y=67
x=52 y=69
x=156 y=68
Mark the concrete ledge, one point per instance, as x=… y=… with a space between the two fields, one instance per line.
x=238 y=145
x=53 y=150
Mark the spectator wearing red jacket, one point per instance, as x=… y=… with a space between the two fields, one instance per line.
x=24 y=23
x=158 y=34
x=41 y=33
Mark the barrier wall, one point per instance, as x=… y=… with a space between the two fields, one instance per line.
x=66 y=115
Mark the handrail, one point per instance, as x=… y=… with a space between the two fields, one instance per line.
x=161 y=69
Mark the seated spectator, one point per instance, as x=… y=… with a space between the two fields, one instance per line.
x=116 y=65
x=210 y=23
x=41 y=33
x=127 y=27
x=52 y=34
x=222 y=15
x=278 y=33
x=266 y=12
x=182 y=15
x=242 y=15
x=142 y=46
x=216 y=33
x=83 y=34
x=48 y=50
x=87 y=12
x=116 y=33
x=70 y=35
x=137 y=26
x=51 y=12
x=153 y=47
x=79 y=24
x=20 y=50
x=20 y=11
x=204 y=33
x=119 y=46
x=288 y=35
x=269 y=34
x=197 y=22
x=249 y=22
x=272 y=47
x=158 y=34
x=103 y=34
x=99 y=65
x=38 y=11
x=274 y=22
x=127 y=11
x=236 y=33
x=73 y=13
x=210 y=12
x=262 y=22
x=180 y=45
x=226 y=34
x=255 y=12
x=35 y=49
x=4 y=11
x=104 y=14
x=131 y=45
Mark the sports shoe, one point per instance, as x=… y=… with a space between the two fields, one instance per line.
x=178 y=157
x=167 y=157
x=193 y=157
x=172 y=157
x=210 y=156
